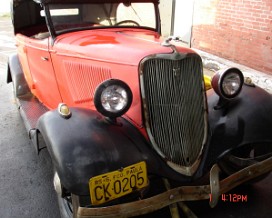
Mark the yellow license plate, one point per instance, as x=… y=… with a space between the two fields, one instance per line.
x=112 y=185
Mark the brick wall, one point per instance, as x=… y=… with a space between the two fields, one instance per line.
x=238 y=30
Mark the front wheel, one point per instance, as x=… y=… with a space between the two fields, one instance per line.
x=65 y=206
x=245 y=156
x=68 y=203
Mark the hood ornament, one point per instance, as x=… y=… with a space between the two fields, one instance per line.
x=167 y=42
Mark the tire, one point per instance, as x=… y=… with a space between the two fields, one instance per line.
x=65 y=207
x=245 y=156
x=64 y=199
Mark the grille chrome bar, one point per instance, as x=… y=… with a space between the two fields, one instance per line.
x=175 y=108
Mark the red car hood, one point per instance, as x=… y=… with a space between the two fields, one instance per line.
x=123 y=46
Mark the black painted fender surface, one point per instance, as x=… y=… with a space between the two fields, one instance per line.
x=15 y=74
x=85 y=145
x=244 y=120
x=252 y=110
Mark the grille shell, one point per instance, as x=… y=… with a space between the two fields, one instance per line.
x=175 y=108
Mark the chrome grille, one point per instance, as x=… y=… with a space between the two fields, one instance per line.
x=175 y=106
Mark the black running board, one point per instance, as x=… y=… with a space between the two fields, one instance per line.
x=31 y=110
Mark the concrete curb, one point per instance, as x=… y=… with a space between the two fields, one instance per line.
x=215 y=63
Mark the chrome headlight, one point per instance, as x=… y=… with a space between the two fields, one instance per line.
x=113 y=98
x=228 y=83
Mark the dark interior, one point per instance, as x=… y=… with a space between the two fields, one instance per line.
x=26 y=18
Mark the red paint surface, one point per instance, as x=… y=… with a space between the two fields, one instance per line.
x=76 y=63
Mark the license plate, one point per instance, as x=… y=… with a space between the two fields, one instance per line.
x=112 y=185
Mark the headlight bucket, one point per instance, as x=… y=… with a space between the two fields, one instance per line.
x=228 y=83
x=113 y=98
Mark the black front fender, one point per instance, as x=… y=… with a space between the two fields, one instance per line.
x=15 y=74
x=246 y=119
x=86 y=145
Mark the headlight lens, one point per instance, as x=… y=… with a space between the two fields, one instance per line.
x=113 y=98
x=228 y=83
x=231 y=84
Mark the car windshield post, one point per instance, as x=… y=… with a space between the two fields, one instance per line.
x=49 y=21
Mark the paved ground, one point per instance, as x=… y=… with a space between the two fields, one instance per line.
x=26 y=188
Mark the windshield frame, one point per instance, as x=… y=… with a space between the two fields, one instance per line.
x=55 y=33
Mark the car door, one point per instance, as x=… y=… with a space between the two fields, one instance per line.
x=44 y=86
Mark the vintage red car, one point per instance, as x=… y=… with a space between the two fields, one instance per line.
x=121 y=109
